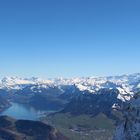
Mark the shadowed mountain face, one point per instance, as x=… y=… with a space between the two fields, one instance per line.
x=94 y=104
x=42 y=99
x=3 y=103
x=11 y=129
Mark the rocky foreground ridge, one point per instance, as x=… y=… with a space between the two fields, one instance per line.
x=11 y=129
x=130 y=128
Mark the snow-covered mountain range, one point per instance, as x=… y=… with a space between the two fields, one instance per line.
x=126 y=84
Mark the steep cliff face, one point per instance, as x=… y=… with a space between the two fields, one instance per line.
x=130 y=128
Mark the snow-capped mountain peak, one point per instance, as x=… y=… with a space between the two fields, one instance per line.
x=125 y=84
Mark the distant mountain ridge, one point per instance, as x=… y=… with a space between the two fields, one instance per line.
x=126 y=84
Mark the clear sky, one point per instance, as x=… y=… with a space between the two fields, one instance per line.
x=53 y=38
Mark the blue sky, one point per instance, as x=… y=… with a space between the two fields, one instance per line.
x=53 y=38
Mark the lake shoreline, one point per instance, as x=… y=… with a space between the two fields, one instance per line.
x=24 y=111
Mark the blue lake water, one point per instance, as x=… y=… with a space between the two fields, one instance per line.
x=20 y=111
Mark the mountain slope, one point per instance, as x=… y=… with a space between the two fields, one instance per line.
x=3 y=103
x=104 y=101
x=11 y=129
